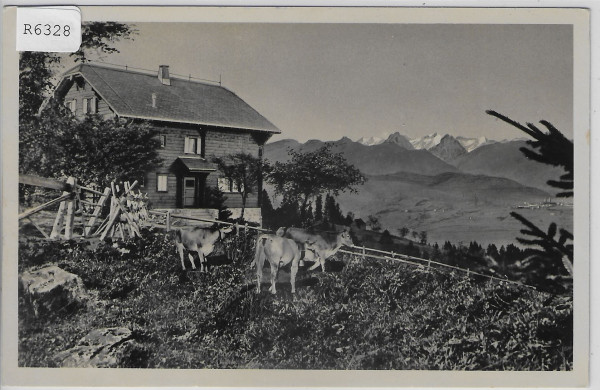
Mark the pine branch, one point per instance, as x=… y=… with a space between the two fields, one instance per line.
x=568 y=265
x=568 y=194
x=545 y=240
x=565 y=185
x=551 y=148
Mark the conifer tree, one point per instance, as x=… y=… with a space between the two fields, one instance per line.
x=319 y=208
x=550 y=251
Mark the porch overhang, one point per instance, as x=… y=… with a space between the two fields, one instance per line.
x=196 y=164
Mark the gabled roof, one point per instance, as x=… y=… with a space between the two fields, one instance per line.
x=129 y=94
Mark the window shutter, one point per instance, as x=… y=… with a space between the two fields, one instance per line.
x=198 y=145
x=186 y=148
x=94 y=105
x=85 y=105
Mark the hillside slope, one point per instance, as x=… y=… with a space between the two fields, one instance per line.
x=506 y=160
x=451 y=206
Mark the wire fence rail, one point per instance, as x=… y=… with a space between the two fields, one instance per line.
x=362 y=250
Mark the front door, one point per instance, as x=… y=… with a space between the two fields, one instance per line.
x=189 y=191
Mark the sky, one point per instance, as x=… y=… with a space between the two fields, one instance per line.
x=327 y=81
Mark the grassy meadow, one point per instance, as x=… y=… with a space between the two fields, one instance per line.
x=369 y=314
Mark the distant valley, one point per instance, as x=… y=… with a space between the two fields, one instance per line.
x=455 y=188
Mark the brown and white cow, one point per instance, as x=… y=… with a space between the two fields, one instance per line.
x=201 y=240
x=322 y=245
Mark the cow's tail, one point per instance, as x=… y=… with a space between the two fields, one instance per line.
x=178 y=238
x=259 y=255
x=177 y=235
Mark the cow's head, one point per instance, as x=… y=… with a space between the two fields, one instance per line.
x=345 y=238
x=226 y=230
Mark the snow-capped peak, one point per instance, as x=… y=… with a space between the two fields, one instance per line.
x=471 y=144
x=427 y=141
x=370 y=141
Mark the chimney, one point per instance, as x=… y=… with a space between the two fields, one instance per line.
x=163 y=74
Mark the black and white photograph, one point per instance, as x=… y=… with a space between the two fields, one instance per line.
x=315 y=195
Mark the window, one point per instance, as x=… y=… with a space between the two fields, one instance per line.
x=161 y=183
x=89 y=105
x=193 y=145
x=163 y=140
x=223 y=184
x=71 y=105
x=227 y=185
x=234 y=187
x=190 y=183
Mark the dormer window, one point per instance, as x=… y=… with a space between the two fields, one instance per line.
x=193 y=145
x=90 y=105
x=71 y=105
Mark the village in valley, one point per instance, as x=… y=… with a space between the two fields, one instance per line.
x=260 y=220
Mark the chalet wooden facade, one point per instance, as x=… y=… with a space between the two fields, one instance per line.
x=195 y=122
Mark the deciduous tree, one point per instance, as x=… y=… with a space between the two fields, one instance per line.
x=55 y=144
x=245 y=172
x=307 y=175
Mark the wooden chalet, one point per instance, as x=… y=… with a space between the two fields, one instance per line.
x=195 y=122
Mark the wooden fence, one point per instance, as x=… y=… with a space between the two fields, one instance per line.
x=361 y=251
x=126 y=213
x=70 y=199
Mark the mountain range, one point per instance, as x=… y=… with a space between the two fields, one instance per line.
x=426 y=142
x=475 y=181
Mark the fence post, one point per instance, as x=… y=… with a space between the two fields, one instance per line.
x=363 y=252
x=70 y=211
x=58 y=221
x=168 y=221
x=237 y=229
x=468 y=272
x=246 y=228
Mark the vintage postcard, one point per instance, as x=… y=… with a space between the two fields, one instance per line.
x=297 y=197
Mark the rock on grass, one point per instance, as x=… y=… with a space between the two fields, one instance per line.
x=52 y=290
x=103 y=348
